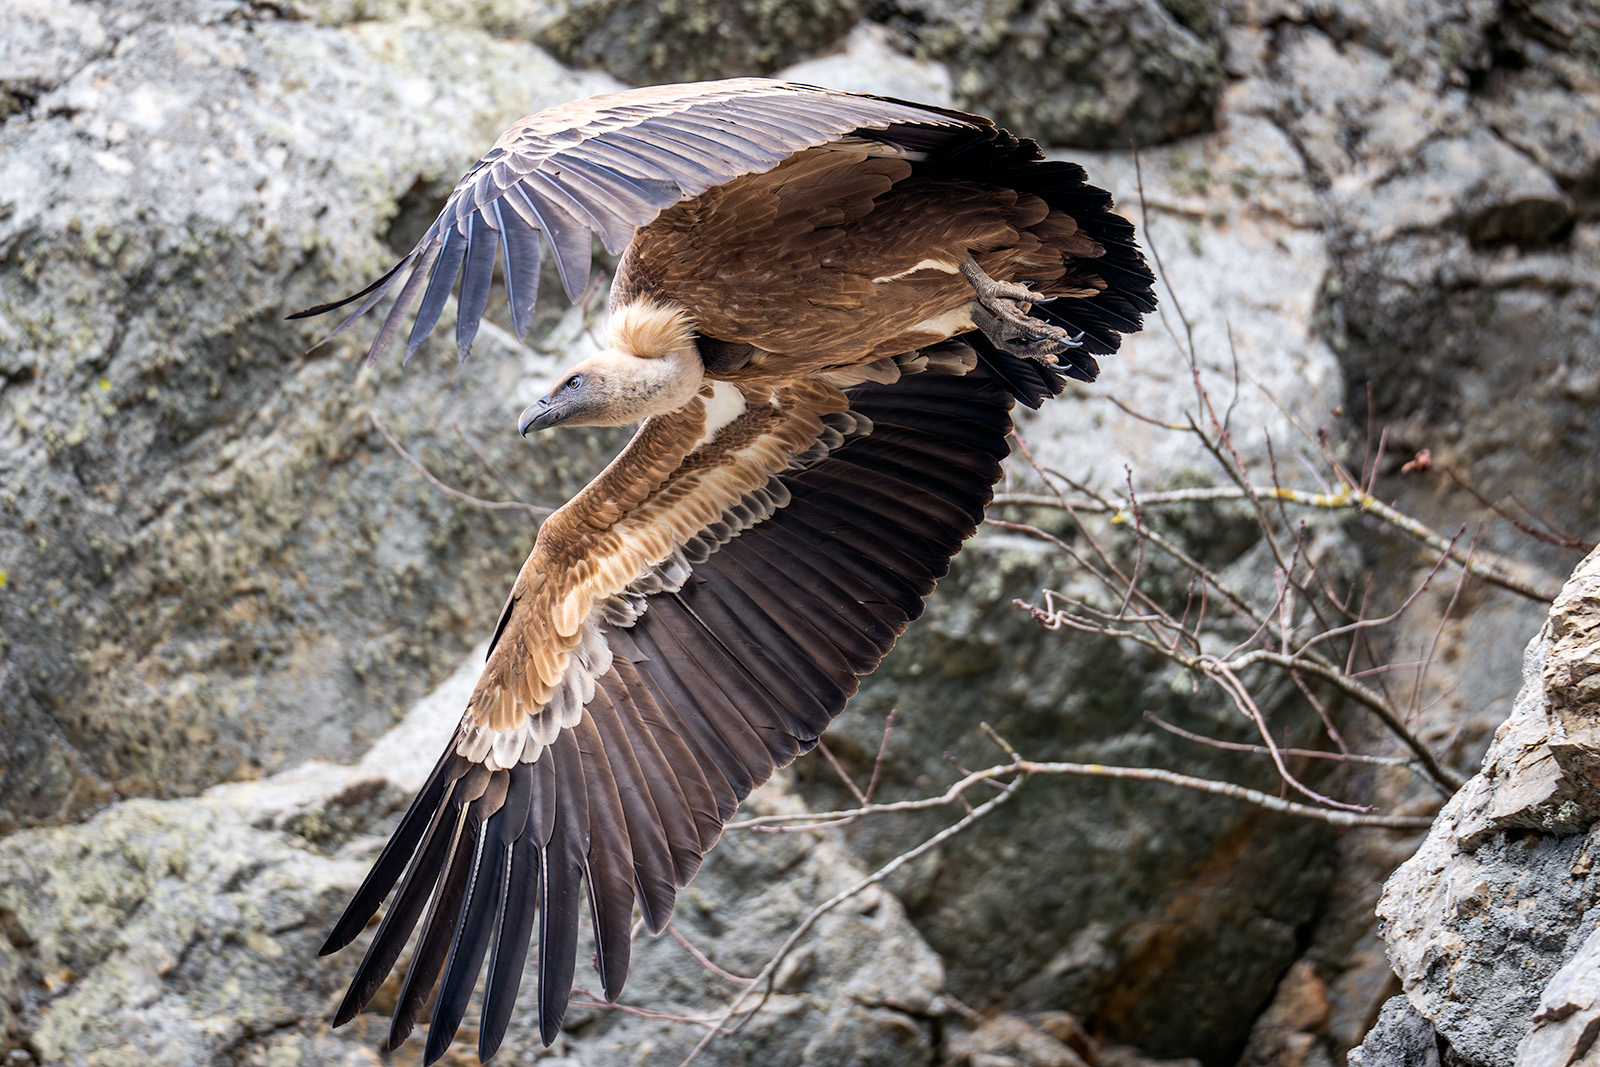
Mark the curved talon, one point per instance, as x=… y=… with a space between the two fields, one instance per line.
x=1001 y=312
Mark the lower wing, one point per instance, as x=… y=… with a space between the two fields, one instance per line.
x=716 y=680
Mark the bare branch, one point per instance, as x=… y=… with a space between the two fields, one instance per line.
x=769 y=972
x=838 y=769
x=812 y=820
x=883 y=751
x=449 y=491
x=702 y=958
x=1491 y=567
x=1310 y=753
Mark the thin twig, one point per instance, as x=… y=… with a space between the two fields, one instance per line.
x=769 y=972
x=812 y=819
x=1310 y=753
x=1218 y=670
x=883 y=751
x=449 y=491
x=1491 y=567
x=601 y=1004
x=482 y=459
x=838 y=769
x=703 y=959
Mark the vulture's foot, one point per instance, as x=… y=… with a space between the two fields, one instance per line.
x=1001 y=312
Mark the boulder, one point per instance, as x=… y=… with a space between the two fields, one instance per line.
x=1090 y=73
x=185 y=932
x=1491 y=925
x=646 y=42
x=1461 y=193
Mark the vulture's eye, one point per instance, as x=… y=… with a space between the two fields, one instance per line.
x=574 y=381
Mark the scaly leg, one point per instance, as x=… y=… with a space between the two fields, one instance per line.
x=1001 y=312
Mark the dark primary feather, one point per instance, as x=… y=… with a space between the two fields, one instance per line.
x=452 y=249
x=566 y=864
x=508 y=953
x=486 y=894
x=484 y=793
x=610 y=863
x=396 y=854
x=476 y=274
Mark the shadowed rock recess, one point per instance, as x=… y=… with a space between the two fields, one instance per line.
x=214 y=569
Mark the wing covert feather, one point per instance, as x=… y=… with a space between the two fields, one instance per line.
x=610 y=164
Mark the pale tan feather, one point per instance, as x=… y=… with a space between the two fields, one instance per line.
x=667 y=492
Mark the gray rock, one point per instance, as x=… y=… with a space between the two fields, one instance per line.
x=1122 y=898
x=866 y=63
x=41 y=45
x=1563 y=1028
x=1461 y=188
x=1121 y=915
x=1451 y=145
x=185 y=932
x=501 y=18
x=204 y=543
x=1483 y=919
x=645 y=42
x=1568 y=1016
x=1075 y=72
x=1400 y=1038
x=1411 y=186
x=1476 y=185
x=1547 y=99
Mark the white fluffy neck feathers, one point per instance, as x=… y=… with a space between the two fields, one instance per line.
x=649 y=330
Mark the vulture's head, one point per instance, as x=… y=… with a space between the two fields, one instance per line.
x=651 y=367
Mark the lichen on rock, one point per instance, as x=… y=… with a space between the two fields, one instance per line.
x=1088 y=73
x=650 y=41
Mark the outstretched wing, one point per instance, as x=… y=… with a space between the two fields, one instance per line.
x=723 y=662
x=606 y=166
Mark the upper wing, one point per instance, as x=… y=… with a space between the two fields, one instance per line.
x=721 y=663
x=607 y=166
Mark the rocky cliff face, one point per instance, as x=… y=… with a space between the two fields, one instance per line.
x=214 y=567
x=179 y=471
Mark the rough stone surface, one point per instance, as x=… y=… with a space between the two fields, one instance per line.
x=1161 y=889
x=1482 y=922
x=867 y=63
x=1138 y=897
x=204 y=544
x=1090 y=73
x=1451 y=148
x=185 y=932
x=1400 y=1038
x=645 y=42
x=1458 y=146
x=1564 y=1026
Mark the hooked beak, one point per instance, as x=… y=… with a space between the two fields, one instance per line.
x=540 y=416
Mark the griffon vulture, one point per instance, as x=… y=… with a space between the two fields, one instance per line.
x=825 y=306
